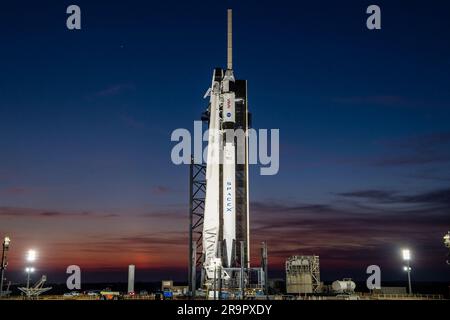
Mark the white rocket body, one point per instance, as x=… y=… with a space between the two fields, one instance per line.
x=221 y=150
x=211 y=217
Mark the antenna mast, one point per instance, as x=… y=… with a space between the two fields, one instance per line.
x=230 y=40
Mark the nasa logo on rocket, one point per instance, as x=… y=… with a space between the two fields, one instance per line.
x=229 y=107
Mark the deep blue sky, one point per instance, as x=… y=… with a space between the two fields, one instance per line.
x=364 y=119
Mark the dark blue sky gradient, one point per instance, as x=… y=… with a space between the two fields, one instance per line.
x=86 y=117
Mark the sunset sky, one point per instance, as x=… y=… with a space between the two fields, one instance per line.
x=86 y=117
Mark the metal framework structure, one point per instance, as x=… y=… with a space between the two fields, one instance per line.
x=264 y=268
x=4 y=264
x=36 y=290
x=197 y=190
x=303 y=274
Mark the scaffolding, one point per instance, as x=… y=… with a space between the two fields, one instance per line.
x=197 y=190
x=36 y=290
x=303 y=275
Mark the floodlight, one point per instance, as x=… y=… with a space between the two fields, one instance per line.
x=31 y=255
x=406 y=254
x=6 y=242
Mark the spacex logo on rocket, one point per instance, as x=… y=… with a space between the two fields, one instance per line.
x=229 y=197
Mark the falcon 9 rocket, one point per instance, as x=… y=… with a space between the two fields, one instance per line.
x=226 y=219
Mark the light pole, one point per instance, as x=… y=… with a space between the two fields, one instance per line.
x=31 y=257
x=6 y=242
x=447 y=244
x=407 y=257
x=28 y=270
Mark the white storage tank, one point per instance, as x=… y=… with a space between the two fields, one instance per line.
x=131 y=269
x=343 y=286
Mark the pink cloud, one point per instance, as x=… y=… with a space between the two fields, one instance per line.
x=161 y=190
x=15 y=191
